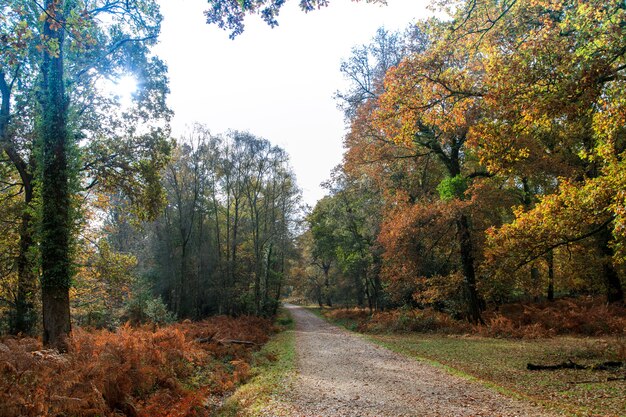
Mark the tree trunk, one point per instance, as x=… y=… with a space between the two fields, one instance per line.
x=534 y=279
x=469 y=274
x=25 y=314
x=360 y=290
x=268 y=270
x=55 y=189
x=368 y=293
x=550 y=260
x=56 y=317
x=613 y=285
x=329 y=301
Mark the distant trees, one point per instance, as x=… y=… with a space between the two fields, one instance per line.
x=223 y=243
x=341 y=258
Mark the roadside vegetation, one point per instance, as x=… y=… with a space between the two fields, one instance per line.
x=183 y=369
x=271 y=376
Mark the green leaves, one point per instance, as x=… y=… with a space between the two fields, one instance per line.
x=452 y=187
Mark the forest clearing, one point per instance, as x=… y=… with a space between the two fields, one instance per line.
x=442 y=188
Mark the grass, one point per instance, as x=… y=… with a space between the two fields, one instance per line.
x=500 y=364
x=273 y=369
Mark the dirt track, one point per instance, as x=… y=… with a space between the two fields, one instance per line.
x=341 y=374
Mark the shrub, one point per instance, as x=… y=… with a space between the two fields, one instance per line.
x=586 y=316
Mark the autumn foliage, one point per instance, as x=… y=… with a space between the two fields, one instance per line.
x=178 y=370
x=493 y=144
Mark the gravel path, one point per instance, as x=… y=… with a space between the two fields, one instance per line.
x=341 y=374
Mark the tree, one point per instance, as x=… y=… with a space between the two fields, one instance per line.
x=16 y=114
x=431 y=101
x=56 y=222
x=71 y=54
x=553 y=80
x=226 y=236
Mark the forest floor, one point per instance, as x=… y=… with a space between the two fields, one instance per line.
x=340 y=373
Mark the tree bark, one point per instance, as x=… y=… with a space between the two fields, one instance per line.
x=469 y=273
x=56 y=212
x=550 y=260
x=25 y=314
x=612 y=283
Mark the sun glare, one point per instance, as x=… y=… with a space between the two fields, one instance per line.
x=124 y=88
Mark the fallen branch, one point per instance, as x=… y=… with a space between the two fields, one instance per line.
x=236 y=342
x=211 y=339
x=207 y=339
x=604 y=366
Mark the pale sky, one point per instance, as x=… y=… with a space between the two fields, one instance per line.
x=275 y=83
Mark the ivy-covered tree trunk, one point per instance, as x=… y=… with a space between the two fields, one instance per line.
x=55 y=188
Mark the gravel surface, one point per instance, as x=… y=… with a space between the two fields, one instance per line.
x=341 y=374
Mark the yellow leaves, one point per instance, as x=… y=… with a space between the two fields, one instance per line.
x=429 y=94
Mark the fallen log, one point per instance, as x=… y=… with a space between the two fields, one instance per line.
x=207 y=339
x=604 y=366
x=236 y=342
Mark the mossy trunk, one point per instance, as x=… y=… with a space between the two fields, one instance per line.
x=56 y=219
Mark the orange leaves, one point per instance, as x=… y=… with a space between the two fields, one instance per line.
x=133 y=370
x=418 y=240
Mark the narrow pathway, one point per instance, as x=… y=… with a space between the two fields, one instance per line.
x=341 y=374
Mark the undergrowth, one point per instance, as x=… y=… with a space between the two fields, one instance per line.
x=142 y=371
x=272 y=370
x=580 y=316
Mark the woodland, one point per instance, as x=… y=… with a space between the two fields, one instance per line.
x=482 y=190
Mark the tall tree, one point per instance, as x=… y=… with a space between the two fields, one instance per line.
x=553 y=80
x=56 y=172
x=16 y=114
x=72 y=54
x=432 y=100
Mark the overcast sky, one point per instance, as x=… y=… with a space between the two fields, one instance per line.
x=275 y=83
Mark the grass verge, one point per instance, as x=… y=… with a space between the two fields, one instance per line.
x=273 y=369
x=500 y=364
